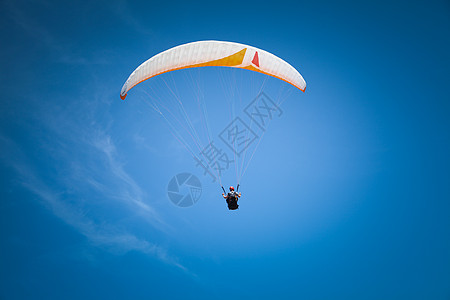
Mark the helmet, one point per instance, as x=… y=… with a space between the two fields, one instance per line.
x=231 y=188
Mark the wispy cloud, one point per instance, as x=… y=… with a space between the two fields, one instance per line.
x=95 y=162
x=133 y=193
x=81 y=175
x=98 y=232
x=81 y=178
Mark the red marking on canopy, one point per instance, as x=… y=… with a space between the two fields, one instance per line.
x=255 y=60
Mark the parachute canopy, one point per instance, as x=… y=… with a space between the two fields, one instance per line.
x=214 y=53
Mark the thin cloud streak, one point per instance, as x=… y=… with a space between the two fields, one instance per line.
x=105 y=235
x=133 y=194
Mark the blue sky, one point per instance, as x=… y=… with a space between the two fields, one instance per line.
x=345 y=198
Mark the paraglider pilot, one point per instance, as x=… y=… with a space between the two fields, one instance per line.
x=232 y=198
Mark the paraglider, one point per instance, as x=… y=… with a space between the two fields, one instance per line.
x=212 y=54
x=232 y=198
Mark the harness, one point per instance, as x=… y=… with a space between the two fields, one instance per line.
x=232 y=199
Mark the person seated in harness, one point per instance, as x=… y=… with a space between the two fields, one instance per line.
x=232 y=199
